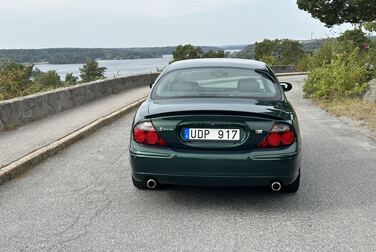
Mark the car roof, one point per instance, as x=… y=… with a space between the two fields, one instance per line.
x=216 y=62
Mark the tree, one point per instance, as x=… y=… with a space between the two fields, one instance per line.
x=91 y=71
x=183 y=52
x=70 y=79
x=269 y=59
x=340 y=11
x=264 y=48
x=283 y=52
x=14 y=79
x=48 y=79
x=213 y=54
x=247 y=52
x=370 y=26
x=356 y=37
x=290 y=52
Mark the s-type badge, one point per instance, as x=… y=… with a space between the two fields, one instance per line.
x=258 y=131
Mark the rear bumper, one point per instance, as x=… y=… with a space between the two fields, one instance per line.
x=256 y=168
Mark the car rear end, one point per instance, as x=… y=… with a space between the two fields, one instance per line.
x=267 y=150
x=215 y=141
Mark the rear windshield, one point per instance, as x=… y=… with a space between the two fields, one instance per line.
x=216 y=82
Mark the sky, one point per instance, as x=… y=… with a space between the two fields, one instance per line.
x=140 y=23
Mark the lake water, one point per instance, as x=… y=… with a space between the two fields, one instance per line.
x=114 y=67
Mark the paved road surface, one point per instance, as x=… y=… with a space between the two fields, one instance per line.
x=83 y=200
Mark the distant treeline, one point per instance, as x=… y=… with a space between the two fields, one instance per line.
x=308 y=46
x=81 y=55
x=248 y=52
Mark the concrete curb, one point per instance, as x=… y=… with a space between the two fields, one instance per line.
x=21 y=165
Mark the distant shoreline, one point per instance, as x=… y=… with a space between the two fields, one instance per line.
x=115 y=68
x=81 y=55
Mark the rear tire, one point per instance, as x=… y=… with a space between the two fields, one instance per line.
x=294 y=187
x=139 y=185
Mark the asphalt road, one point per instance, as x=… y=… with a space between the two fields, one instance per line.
x=83 y=200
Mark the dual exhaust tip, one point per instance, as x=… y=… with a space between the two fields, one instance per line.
x=152 y=184
x=276 y=186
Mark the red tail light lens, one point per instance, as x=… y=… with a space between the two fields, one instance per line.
x=280 y=135
x=145 y=133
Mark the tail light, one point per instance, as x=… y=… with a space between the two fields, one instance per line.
x=145 y=133
x=280 y=135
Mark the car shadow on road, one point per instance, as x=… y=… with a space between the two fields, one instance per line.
x=311 y=197
x=230 y=198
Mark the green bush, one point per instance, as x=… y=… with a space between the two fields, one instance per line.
x=269 y=59
x=304 y=63
x=338 y=70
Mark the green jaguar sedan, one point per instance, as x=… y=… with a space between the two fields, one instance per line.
x=216 y=122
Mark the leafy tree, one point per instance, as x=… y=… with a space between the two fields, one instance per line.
x=340 y=11
x=20 y=79
x=70 y=79
x=247 y=52
x=269 y=59
x=91 y=71
x=213 y=54
x=14 y=79
x=265 y=48
x=370 y=26
x=183 y=52
x=36 y=72
x=282 y=52
x=48 y=79
x=356 y=37
x=290 y=52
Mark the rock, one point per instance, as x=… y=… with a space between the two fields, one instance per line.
x=370 y=95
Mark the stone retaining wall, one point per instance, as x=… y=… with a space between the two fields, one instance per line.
x=18 y=111
x=283 y=68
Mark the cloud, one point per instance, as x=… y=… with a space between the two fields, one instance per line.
x=129 y=8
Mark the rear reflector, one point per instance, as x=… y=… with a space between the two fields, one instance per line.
x=146 y=134
x=280 y=135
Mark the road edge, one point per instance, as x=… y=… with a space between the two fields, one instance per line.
x=26 y=162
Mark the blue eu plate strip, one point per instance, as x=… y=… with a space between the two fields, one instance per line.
x=186 y=134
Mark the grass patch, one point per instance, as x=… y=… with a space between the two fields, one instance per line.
x=352 y=108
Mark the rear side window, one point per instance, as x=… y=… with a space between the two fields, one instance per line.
x=216 y=82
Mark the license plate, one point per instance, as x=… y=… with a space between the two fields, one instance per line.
x=212 y=134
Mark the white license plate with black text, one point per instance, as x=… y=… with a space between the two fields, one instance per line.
x=212 y=134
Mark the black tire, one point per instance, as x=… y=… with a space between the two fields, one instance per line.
x=140 y=185
x=294 y=187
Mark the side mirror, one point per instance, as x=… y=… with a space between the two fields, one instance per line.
x=286 y=86
x=151 y=84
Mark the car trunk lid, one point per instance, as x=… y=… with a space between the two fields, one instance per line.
x=252 y=120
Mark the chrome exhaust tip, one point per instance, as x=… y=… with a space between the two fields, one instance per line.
x=151 y=184
x=276 y=186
